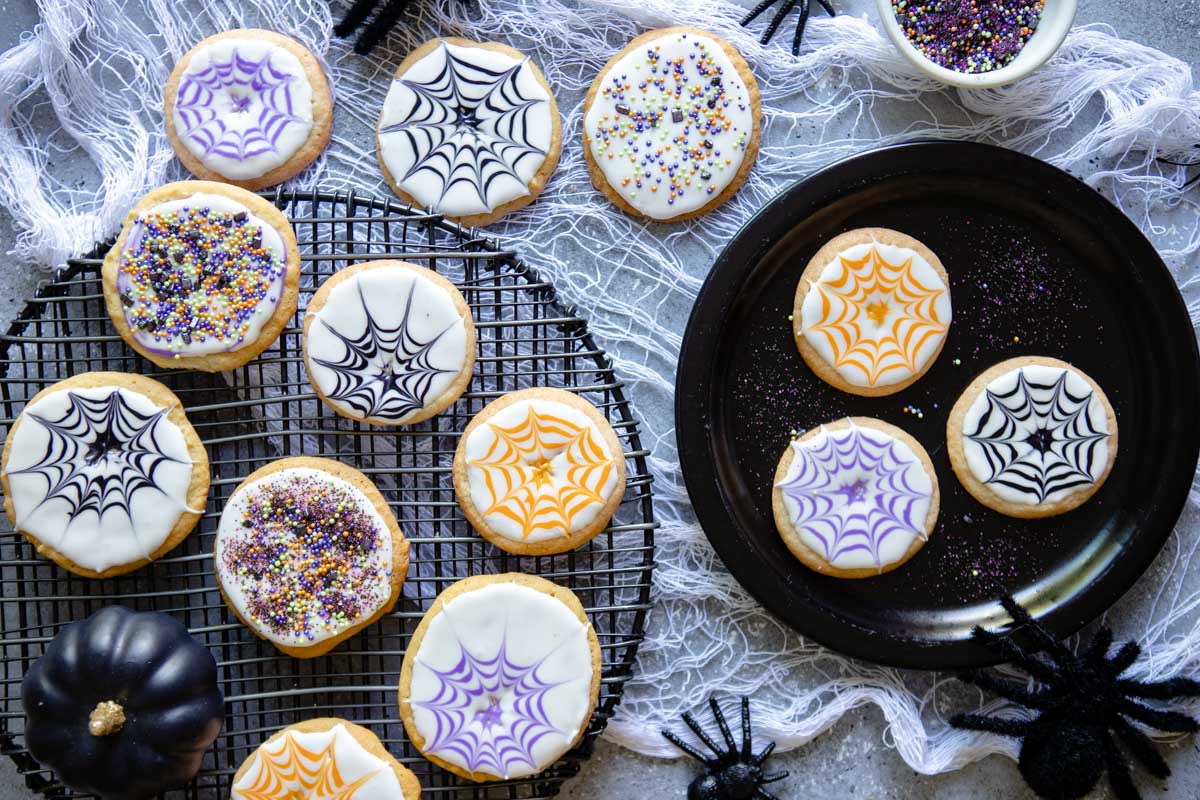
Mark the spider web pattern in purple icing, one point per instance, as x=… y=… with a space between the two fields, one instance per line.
x=201 y=93
x=852 y=490
x=500 y=736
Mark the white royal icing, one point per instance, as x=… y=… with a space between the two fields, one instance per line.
x=1036 y=434
x=501 y=681
x=877 y=313
x=464 y=129
x=857 y=496
x=317 y=766
x=266 y=569
x=387 y=342
x=539 y=469
x=99 y=474
x=670 y=123
x=243 y=107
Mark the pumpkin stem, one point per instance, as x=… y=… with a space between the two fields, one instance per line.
x=106 y=718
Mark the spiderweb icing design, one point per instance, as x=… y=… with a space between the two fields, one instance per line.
x=1037 y=432
x=329 y=765
x=877 y=320
x=465 y=129
x=857 y=496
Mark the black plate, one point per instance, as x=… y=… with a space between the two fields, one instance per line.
x=1039 y=264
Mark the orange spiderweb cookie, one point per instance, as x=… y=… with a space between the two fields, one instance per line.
x=539 y=471
x=872 y=311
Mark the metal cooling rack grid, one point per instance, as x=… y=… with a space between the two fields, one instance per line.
x=266 y=410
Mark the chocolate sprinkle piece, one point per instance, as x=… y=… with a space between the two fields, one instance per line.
x=677 y=116
x=623 y=109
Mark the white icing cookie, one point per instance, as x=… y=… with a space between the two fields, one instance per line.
x=388 y=343
x=466 y=128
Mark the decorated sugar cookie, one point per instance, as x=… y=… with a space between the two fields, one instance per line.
x=324 y=759
x=501 y=677
x=389 y=343
x=308 y=553
x=469 y=130
x=1032 y=437
x=855 y=498
x=671 y=124
x=203 y=276
x=104 y=473
x=539 y=471
x=250 y=107
x=872 y=311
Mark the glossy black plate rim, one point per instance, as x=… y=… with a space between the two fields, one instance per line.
x=697 y=360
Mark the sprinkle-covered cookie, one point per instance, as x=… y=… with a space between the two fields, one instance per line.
x=671 y=124
x=1032 y=437
x=104 y=473
x=308 y=553
x=501 y=677
x=872 y=311
x=389 y=343
x=250 y=107
x=203 y=276
x=855 y=498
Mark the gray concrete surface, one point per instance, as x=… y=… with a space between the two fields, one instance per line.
x=851 y=760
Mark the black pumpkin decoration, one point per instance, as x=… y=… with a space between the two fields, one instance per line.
x=123 y=704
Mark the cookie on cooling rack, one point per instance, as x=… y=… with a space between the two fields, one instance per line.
x=469 y=130
x=308 y=553
x=855 y=498
x=389 y=343
x=671 y=125
x=501 y=677
x=249 y=107
x=539 y=471
x=1032 y=437
x=872 y=311
x=203 y=276
x=324 y=758
x=103 y=473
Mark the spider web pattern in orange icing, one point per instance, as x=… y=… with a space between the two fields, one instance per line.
x=287 y=770
x=542 y=472
x=877 y=316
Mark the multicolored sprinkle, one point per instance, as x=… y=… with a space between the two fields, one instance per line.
x=969 y=35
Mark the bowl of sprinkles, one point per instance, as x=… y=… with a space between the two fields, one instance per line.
x=977 y=44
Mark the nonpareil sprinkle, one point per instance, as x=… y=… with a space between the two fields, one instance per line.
x=969 y=35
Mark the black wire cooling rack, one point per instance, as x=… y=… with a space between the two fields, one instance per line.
x=266 y=410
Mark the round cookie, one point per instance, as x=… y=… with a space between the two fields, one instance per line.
x=469 y=130
x=389 y=343
x=855 y=498
x=1032 y=437
x=103 y=473
x=501 y=677
x=323 y=758
x=671 y=124
x=308 y=553
x=203 y=276
x=539 y=471
x=872 y=311
x=249 y=107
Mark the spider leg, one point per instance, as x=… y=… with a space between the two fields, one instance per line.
x=828 y=6
x=1011 y=651
x=1160 y=690
x=357 y=14
x=685 y=747
x=1126 y=655
x=1097 y=649
x=747 y=736
x=719 y=716
x=763 y=794
x=1171 y=721
x=777 y=20
x=982 y=722
x=1009 y=690
x=758 y=9
x=775 y=776
x=690 y=721
x=801 y=24
x=765 y=754
x=1141 y=747
x=1118 y=772
x=1037 y=630
x=378 y=27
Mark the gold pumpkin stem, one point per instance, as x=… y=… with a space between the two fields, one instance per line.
x=106 y=718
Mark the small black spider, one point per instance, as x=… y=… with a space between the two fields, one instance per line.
x=777 y=20
x=387 y=14
x=1083 y=702
x=731 y=773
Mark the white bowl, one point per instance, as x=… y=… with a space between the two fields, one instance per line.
x=1057 y=17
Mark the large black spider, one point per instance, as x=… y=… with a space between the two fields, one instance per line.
x=1083 y=702
x=730 y=773
x=777 y=20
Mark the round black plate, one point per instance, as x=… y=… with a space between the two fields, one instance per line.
x=1039 y=264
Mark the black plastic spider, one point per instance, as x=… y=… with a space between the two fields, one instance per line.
x=731 y=773
x=386 y=17
x=777 y=20
x=1083 y=702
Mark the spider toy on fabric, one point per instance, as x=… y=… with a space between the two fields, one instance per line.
x=1082 y=703
x=777 y=20
x=731 y=773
